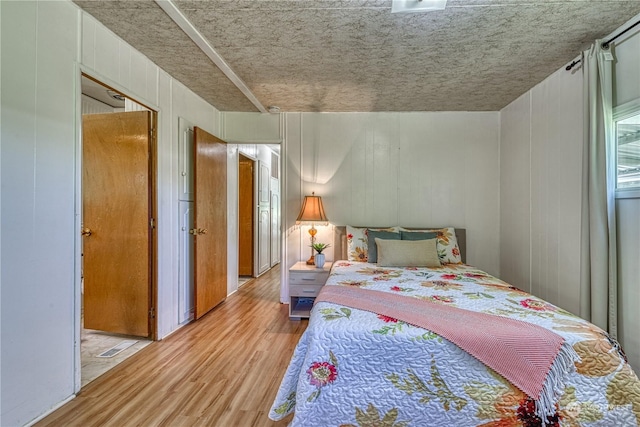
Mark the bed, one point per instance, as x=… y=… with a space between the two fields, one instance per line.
x=377 y=351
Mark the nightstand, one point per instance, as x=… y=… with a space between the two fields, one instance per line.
x=305 y=282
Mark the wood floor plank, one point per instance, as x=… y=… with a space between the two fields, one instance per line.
x=222 y=370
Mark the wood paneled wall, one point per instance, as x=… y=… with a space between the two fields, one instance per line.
x=45 y=47
x=39 y=238
x=541 y=187
x=627 y=89
x=410 y=169
x=541 y=184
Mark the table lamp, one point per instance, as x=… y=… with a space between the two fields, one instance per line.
x=312 y=212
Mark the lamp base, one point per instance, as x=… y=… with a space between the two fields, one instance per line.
x=311 y=261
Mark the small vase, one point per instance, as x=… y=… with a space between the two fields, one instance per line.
x=319 y=260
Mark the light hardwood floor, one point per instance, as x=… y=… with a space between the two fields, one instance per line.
x=222 y=370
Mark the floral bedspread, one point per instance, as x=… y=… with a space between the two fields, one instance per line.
x=356 y=368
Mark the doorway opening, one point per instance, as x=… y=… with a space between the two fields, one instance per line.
x=259 y=210
x=118 y=250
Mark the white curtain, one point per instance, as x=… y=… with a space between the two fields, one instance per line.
x=598 y=282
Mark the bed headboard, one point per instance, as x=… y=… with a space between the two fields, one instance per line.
x=340 y=241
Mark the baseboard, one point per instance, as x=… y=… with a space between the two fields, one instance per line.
x=50 y=411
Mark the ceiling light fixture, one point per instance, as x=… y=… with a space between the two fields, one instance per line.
x=115 y=95
x=412 y=6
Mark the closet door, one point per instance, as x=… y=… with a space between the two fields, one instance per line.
x=275 y=209
x=275 y=226
x=185 y=266
x=264 y=218
x=186 y=197
x=210 y=221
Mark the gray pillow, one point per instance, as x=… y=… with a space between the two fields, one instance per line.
x=372 y=249
x=418 y=235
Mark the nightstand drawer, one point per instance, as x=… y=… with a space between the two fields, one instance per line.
x=304 y=290
x=305 y=283
x=308 y=278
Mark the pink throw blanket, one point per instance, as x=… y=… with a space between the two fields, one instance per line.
x=532 y=358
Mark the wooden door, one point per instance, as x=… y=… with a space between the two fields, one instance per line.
x=116 y=208
x=246 y=205
x=210 y=221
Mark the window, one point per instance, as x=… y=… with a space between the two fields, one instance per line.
x=628 y=151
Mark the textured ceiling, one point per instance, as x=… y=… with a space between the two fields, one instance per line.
x=354 y=55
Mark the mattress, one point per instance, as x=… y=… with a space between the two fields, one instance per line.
x=354 y=367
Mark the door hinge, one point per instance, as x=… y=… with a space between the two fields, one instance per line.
x=152 y=313
x=152 y=223
x=152 y=133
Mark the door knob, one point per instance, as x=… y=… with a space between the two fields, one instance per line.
x=197 y=231
x=86 y=232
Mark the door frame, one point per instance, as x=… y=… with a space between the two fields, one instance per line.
x=153 y=211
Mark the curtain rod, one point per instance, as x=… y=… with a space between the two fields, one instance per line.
x=604 y=45
x=573 y=64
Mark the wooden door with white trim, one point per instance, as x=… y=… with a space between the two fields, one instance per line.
x=116 y=209
x=210 y=222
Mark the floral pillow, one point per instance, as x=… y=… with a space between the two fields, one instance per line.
x=357 y=242
x=447 y=244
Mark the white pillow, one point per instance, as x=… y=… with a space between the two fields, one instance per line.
x=407 y=253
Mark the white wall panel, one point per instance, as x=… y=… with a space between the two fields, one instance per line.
x=138 y=74
x=542 y=134
x=88 y=48
x=232 y=218
x=39 y=48
x=627 y=89
x=195 y=109
x=107 y=53
x=152 y=82
x=628 y=211
x=167 y=195
x=569 y=126
x=627 y=69
x=482 y=190
x=40 y=277
x=515 y=193
x=411 y=169
x=124 y=63
x=556 y=188
x=290 y=158
x=544 y=197
x=251 y=127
